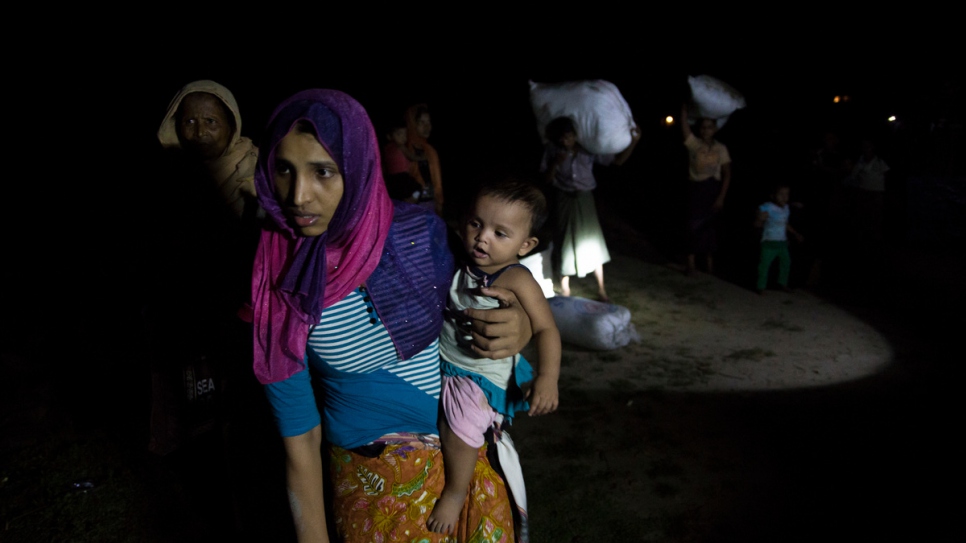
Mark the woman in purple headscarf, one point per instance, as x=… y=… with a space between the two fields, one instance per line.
x=348 y=295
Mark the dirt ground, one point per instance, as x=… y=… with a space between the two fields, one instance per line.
x=739 y=417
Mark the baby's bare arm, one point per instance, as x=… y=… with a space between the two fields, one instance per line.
x=544 y=396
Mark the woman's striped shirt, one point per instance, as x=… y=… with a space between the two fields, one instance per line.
x=364 y=389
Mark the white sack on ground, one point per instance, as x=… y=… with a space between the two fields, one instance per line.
x=599 y=111
x=591 y=324
x=713 y=99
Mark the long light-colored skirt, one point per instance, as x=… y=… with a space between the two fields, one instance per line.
x=579 y=239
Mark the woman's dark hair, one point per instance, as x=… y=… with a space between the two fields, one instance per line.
x=302 y=126
x=527 y=194
x=330 y=139
x=421 y=109
x=556 y=129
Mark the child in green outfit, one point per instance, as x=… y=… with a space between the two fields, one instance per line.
x=773 y=220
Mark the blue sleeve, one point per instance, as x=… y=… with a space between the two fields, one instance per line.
x=293 y=403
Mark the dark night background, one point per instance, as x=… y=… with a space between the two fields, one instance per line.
x=85 y=189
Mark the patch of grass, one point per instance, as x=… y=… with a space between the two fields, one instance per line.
x=577 y=396
x=59 y=490
x=756 y=354
x=608 y=357
x=556 y=517
x=704 y=368
x=681 y=526
x=665 y=490
x=631 y=304
x=717 y=465
x=692 y=290
x=661 y=438
x=569 y=380
x=665 y=467
x=780 y=324
x=638 y=374
x=565 y=446
x=640 y=407
x=621 y=385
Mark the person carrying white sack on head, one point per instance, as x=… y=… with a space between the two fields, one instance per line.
x=579 y=246
x=709 y=164
x=709 y=176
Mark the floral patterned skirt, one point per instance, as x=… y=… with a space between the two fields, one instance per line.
x=389 y=497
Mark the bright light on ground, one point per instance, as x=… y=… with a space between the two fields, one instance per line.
x=702 y=333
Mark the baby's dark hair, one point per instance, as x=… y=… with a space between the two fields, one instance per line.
x=558 y=127
x=515 y=190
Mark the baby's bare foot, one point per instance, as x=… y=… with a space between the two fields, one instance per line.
x=445 y=514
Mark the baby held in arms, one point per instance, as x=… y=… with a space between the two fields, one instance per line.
x=480 y=393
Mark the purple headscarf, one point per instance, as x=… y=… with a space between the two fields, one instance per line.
x=295 y=277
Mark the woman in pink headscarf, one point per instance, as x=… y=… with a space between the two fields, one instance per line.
x=348 y=290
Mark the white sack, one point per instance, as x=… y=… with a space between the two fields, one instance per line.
x=601 y=115
x=713 y=99
x=591 y=324
x=539 y=265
